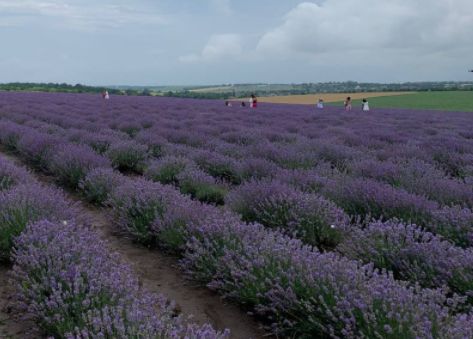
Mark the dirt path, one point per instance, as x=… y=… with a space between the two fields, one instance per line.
x=11 y=323
x=159 y=273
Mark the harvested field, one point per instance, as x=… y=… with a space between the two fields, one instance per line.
x=311 y=99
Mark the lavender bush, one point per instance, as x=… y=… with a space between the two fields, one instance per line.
x=309 y=217
x=128 y=156
x=71 y=163
x=99 y=183
x=201 y=186
x=218 y=166
x=74 y=288
x=366 y=197
x=25 y=204
x=37 y=148
x=136 y=204
x=285 y=281
x=11 y=175
x=412 y=254
x=166 y=169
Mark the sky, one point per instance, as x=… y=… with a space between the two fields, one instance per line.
x=202 y=42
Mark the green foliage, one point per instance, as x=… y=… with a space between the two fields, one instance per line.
x=436 y=100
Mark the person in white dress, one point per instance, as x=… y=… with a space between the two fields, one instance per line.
x=365 y=106
x=320 y=104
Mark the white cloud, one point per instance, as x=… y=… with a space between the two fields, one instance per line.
x=333 y=26
x=85 y=17
x=219 y=47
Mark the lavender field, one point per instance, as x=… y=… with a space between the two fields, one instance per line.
x=318 y=223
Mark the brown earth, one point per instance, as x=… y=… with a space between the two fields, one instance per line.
x=11 y=323
x=311 y=99
x=159 y=273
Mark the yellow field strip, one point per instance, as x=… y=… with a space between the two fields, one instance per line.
x=311 y=99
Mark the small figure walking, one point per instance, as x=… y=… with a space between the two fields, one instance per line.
x=105 y=95
x=253 y=101
x=365 y=106
x=320 y=104
x=348 y=104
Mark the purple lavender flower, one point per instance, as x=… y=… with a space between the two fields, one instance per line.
x=166 y=169
x=71 y=163
x=412 y=254
x=99 y=184
x=11 y=175
x=312 y=218
x=74 y=288
x=128 y=156
x=28 y=203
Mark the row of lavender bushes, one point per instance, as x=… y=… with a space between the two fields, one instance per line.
x=356 y=196
x=432 y=133
x=270 y=203
x=448 y=190
x=280 y=278
x=276 y=276
x=67 y=280
x=323 y=228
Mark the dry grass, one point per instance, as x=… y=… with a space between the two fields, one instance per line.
x=311 y=99
x=212 y=89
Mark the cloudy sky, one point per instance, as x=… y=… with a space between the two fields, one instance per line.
x=146 y=42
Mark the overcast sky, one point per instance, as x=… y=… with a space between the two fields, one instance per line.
x=146 y=42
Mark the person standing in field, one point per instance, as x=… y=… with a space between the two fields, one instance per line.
x=320 y=104
x=107 y=96
x=253 y=101
x=348 y=104
x=365 y=106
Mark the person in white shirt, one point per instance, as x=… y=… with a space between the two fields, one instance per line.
x=365 y=106
x=253 y=101
x=320 y=104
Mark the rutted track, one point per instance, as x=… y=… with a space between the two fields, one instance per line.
x=158 y=273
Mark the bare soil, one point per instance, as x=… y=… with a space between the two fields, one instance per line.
x=311 y=99
x=12 y=324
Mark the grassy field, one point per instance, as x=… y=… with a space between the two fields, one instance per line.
x=311 y=99
x=448 y=101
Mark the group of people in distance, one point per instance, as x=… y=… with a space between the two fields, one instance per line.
x=253 y=102
x=347 y=104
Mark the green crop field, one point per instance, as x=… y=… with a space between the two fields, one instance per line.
x=448 y=101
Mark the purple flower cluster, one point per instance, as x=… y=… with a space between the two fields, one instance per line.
x=166 y=169
x=412 y=254
x=11 y=175
x=128 y=156
x=417 y=177
x=74 y=288
x=136 y=204
x=307 y=216
x=67 y=280
x=27 y=203
x=201 y=186
x=99 y=183
x=70 y=163
x=306 y=293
